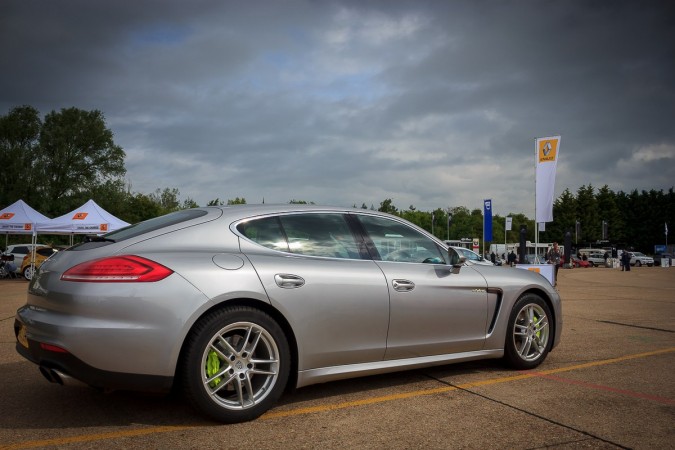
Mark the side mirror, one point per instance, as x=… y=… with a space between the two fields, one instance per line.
x=454 y=259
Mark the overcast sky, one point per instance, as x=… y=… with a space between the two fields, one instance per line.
x=429 y=103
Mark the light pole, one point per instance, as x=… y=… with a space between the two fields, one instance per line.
x=449 y=220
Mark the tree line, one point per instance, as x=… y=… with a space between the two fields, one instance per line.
x=57 y=164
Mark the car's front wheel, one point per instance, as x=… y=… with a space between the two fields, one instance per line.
x=639 y=264
x=236 y=364
x=528 y=333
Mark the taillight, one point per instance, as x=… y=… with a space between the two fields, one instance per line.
x=115 y=269
x=52 y=348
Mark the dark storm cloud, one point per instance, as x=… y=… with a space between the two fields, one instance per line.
x=432 y=104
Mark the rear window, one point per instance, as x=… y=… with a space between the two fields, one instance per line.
x=155 y=224
x=141 y=228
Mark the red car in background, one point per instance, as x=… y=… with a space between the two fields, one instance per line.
x=576 y=262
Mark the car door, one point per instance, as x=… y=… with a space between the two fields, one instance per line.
x=434 y=309
x=313 y=271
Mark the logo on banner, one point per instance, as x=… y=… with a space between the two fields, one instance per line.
x=6 y=216
x=548 y=150
x=487 y=219
x=27 y=226
x=80 y=216
x=103 y=227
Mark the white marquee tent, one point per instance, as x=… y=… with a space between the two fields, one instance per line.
x=87 y=219
x=19 y=218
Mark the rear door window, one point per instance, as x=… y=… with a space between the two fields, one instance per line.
x=325 y=235
x=312 y=234
x=266 y=232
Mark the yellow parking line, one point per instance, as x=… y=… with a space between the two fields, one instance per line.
x=96 y=437
x=522 y=376
x=331 y=407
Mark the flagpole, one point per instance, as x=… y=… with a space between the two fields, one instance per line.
x=536 y=225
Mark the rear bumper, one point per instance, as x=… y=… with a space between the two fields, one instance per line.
x=68 y=364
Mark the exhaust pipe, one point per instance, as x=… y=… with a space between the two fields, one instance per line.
x=55 y=376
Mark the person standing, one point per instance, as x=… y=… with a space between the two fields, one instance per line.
x=553 y=257
x=625 y=261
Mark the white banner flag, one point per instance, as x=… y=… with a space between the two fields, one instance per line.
x=546 y=153
x=509 y=221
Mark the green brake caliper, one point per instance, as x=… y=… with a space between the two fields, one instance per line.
x=213 y=367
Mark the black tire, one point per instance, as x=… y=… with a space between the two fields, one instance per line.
x=235 y=365
x=639 y=264
x=28 y=273
x=529 y=333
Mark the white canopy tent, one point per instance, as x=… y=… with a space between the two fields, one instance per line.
x=87 y=219
x=19 y=218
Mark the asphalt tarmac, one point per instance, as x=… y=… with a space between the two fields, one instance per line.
x=609 y=384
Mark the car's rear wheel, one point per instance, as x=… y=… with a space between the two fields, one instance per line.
x=529 y=333
x=639 y=264
x=236 y=364
x=28 y=272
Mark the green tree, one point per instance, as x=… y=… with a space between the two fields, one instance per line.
x=610 y=213
x=167 y=199
x=142 y=207
x=460 y=226
x=215 y=202
x=387 y=206
x=19 y=134
x=76 y=154
x=237 y=201
x=111 y=196
x=587 y=210
x=189 y=203
x=564 y=218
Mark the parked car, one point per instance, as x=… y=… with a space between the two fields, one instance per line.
x=238 y=303
x=19 y=251
x=41 y=255
x=577 y=262
x=640 y=259
x=659 y=256
x=597 y=258
x=472 y=257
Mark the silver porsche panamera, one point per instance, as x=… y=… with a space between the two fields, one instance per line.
x=235 y=304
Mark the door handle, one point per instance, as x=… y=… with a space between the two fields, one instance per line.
x=403 y=285
x=286 y=281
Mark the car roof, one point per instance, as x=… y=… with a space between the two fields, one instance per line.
x=242 y=211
